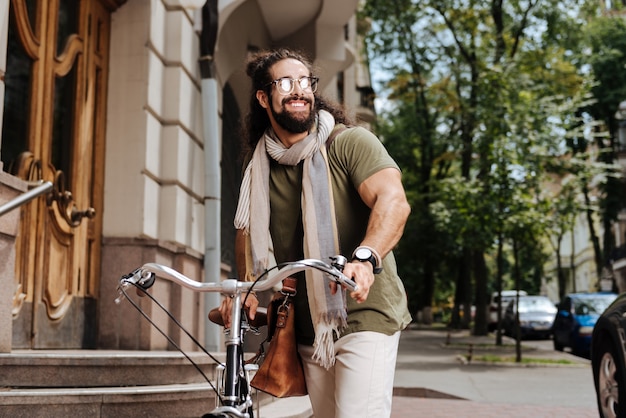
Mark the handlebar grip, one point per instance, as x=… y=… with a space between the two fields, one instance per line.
x=348 y=283
x=339 y=262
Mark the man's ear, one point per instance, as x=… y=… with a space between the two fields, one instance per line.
x=262 y=98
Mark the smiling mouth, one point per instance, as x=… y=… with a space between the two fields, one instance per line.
x=298 y=104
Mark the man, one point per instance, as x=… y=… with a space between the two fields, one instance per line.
x=307 y=197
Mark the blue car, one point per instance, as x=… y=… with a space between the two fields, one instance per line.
x=575 y=319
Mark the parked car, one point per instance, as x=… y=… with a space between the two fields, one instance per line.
x=608 y=360
x=536 y=315
x=574 y=322
x=507 y=296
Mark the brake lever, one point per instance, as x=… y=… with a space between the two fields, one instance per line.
x=139 y=277
x=339 y=262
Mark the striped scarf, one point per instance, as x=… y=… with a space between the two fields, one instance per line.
x=328 y=311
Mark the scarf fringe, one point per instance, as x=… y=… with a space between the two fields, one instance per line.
x=326 y=329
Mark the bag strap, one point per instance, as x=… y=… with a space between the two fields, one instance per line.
x=339 y=128
x=290 y=283
x=289 y=286
x=277 y=312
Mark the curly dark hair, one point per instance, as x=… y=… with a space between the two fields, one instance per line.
x=258 y=67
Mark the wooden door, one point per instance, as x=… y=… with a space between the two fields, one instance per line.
x=54 y=130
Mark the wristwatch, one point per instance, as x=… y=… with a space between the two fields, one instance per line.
x=366 y=254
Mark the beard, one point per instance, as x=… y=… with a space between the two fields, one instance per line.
x=291 y=123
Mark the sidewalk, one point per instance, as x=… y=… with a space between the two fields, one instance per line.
x=404 y=407
x=436 y=360
x=435 y=380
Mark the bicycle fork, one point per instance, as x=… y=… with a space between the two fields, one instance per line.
x=234 y=388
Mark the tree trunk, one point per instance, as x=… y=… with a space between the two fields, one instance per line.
x=480 y=295
x=561 y=279
x=518 y=280
x=462 y=293
x=428 y=291
x=500 y=262
x=597 y=251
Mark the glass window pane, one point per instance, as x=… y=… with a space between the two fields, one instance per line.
x=68 y=22
x=64 y=92
x=33 y=6
x=16 y=101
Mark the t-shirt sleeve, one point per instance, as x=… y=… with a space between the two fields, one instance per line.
x=360 y=154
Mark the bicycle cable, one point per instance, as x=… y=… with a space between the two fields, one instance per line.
x=179 y=325
x=169 y=339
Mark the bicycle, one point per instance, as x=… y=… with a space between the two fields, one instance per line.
x=233 y=391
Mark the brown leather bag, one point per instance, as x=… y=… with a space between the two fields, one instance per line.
x=281 y=374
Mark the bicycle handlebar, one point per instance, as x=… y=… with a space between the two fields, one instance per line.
x=144 y=277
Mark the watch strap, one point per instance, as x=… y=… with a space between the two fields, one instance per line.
x=374 y=259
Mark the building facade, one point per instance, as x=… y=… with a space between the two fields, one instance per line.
x=106 y=99
x=577 y=254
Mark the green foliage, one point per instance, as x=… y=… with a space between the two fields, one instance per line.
x=607 y=57
x=489 y=103
x=606 y=37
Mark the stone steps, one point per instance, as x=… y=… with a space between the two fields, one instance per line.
x=101 y=368
x=178 y=400
x=100 y=383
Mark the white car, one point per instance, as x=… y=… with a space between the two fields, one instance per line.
x=536 y=316
x=507 y=296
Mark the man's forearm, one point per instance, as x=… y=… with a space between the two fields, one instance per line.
x=240 y=254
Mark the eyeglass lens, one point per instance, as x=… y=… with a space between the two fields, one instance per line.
x=285 y=85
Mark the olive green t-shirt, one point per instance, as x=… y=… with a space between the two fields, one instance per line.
x=353 y=156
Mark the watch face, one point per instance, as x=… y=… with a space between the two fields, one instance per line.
x=363 y=254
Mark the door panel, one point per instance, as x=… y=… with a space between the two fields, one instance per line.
x=57 y=293
x=58 y=247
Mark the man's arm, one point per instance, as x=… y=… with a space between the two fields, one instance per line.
x=384 y=194
x=240 y=263
x=240 y=254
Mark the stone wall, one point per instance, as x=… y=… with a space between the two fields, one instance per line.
x=10 y=187
x=121 y=327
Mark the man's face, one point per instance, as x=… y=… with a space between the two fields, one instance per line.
x=293 y=111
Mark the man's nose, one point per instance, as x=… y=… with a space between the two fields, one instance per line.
x=297 y=86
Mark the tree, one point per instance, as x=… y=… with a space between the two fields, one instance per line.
x=466 y=80
x=562 y=211
x=606 y=37
x=476 y=87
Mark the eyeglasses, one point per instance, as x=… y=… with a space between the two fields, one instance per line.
x=285 y=85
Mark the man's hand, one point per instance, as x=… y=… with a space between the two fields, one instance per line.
x=251 y=306
x=362 y=273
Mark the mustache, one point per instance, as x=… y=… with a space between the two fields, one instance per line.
x=296 y=97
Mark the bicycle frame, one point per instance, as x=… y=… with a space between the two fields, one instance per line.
x=144 y=277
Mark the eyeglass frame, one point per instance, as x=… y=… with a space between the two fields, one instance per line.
x=313 y=81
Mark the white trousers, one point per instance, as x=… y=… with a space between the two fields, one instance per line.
x=360 y=384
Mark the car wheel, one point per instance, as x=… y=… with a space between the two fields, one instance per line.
x=609 y=384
